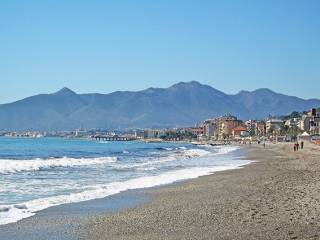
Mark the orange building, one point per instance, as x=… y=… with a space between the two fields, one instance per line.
x=226 y=125
x=240 y=131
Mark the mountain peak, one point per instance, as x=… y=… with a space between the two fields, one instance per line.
x=187 y=84
x=65 y=91
x=257 y=91
x=264 y=90
x=180 y=105
x=196 y=87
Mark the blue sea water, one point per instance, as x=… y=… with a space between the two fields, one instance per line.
x=37 y=173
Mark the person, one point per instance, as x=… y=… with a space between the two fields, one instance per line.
x=264 y=145
x=298 y=146
x=302 y=143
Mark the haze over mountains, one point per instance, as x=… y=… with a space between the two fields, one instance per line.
x=183 y=104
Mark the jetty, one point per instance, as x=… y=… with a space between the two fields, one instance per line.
x=113 y=138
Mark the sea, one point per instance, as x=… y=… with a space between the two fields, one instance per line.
x=38 y=173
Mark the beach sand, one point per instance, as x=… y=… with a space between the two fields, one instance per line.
x=66 y=222
x=276 y=197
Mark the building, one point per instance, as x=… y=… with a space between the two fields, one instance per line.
x=198 y=131
x=240 y=131
x=292 y=122
x=154 y=133
x=261 y=129
x=256 y=128
x=274 y=125
x=304 y=123
x=314 y=121
x=210 y=127
x=225 y=126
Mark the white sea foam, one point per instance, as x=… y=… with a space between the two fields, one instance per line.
x=14 y=213
x=168 y=148
x=176 y=155
x=8 y=166
x=154 y=161
x=195 y=153
x=180 y=153
x=223 y=149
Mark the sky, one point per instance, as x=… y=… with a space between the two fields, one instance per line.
x=104 y=46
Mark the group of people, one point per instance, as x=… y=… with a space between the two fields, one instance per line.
x=296 y=146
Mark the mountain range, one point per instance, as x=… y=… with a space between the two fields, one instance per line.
x=183 y=104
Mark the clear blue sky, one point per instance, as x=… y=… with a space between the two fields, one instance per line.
x=103 y=46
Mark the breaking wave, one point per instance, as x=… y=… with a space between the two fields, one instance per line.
x=8 y=166
x=14 y=213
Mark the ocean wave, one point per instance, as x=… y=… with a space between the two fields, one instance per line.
x=138 y=166
x=226 y=149
x=181 y=156
x=14 y=213
x=190 y=153
x=164 y=148
x=175 y=156
x=8 y=166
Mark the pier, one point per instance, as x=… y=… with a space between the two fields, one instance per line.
x=113 y=138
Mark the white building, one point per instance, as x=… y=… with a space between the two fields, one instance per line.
x=304 y=123
x=274 y=124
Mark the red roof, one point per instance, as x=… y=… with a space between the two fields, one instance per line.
x=240 y=128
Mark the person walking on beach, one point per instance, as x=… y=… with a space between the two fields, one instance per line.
x=297 y=146
x=302 y=143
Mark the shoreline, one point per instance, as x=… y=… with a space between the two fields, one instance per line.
x=64 y=222
x=275 y=197
x=140 y=195
x=257 y=201
x=143 y=182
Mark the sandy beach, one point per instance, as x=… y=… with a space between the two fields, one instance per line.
x=276 y=197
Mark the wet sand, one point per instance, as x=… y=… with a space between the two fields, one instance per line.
x=276 y=197
x=67 y=221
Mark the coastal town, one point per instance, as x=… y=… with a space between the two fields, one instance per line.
x=223 y=129
x=229 y=128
